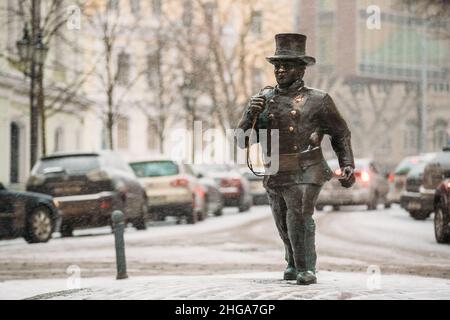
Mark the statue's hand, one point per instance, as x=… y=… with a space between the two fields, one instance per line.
x=347 y=177
x=256 y=105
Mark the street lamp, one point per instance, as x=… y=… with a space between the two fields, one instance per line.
x=33 y=52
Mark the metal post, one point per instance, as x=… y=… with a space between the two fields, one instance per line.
x=424 y=92
x=118 y=220
x=34 y=113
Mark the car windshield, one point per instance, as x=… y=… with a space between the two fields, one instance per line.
x=406 y=165
x=417 y=169
x=154 y=169
x=70 y=164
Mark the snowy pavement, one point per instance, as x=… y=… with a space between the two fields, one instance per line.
x=247 y=286
x=238 y=255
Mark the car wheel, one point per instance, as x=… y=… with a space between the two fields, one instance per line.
x=140 y=222
x=387 y=205
x=319 y=207
x=218 y=212
x=441 y=229
x=192 y=217
x=39 y=226
x=66 y=230
x=372 y=205
x=419 y=215
x=243 y=206
x=336 y=208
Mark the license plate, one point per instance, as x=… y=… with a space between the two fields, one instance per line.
x=67 y=190
x=159 y=198
x=413 y=206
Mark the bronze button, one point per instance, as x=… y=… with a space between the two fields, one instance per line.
x=271 y=101
x=295 y=148
x=291 y=129
x=271 y=116
x=293 y=113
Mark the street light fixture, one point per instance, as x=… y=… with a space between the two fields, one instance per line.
x=29 y=51
x=24 y=45
x=32 y=53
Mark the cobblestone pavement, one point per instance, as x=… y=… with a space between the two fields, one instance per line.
x=261 y=286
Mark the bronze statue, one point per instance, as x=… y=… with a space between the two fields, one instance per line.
x=303 y=116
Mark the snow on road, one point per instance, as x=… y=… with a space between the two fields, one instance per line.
x=237 y=256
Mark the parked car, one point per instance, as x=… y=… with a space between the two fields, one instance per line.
x=31 y=215
x=422 y=182
x=89 y=187
x=397 y=179
x=442 y=212
x=370 y=188
x=257 y=190
x=172 y=189
x=213 y=198
x=411 y=199
x=233 y=186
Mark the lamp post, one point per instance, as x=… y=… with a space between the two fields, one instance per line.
x=187 y=89
x=32 y=53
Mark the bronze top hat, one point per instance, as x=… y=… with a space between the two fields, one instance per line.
x=291 y=46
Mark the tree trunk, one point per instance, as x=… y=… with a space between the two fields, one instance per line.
x=109 y=126
x=41 y=108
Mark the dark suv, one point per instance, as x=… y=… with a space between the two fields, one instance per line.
x=31 y=215
x=89 y=187
x=442 y=212
x=422 y=182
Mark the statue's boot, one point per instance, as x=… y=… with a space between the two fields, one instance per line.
x=290 y=273
x=306 y=278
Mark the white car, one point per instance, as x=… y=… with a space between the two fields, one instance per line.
x=371 y=187
x=172 y=189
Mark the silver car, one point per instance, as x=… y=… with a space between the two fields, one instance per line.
x=371 y=187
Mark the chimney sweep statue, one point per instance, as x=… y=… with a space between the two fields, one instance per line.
x=302 y=117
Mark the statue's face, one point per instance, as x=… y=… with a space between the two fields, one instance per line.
x=287 y=72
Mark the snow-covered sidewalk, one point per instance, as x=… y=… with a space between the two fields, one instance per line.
x=253 y=286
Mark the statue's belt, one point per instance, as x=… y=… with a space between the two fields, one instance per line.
x=297 y=161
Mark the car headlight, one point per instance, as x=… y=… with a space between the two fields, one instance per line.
x=56 y=203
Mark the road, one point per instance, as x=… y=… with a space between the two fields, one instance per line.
x=350 y=240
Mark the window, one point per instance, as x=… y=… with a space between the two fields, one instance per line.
x=135 y=6
x=113 y=4
x=122 y=132
x=123 y=68
x=155 y=169
x=14 y=153
x=440 y=134
x=59 y=140
x=386 y=146
x=256 y=22
x=152 y=63
x=156 y=7
x=411 y=138
x=187 y=13
x=152 y=134
x=210 y=9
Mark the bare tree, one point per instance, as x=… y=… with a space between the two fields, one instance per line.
x=111 y=32
x=373 y=109
x=231 y=58
x=55 y=93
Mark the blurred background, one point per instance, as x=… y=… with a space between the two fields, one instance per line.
x=121 y=74
x=92 y=91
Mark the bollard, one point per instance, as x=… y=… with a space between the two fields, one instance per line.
x=118 y=223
